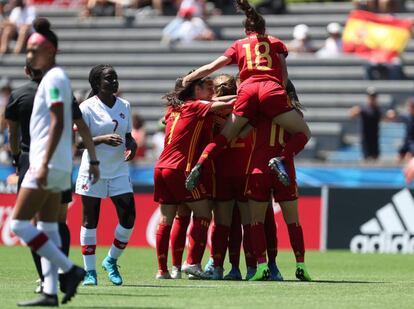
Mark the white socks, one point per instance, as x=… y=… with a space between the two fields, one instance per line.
x=122 y=236
x=88 y=243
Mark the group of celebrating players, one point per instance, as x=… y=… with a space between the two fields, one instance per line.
x=231 y=143
x=229 y=150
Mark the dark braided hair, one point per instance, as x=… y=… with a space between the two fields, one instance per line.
x=42 y=26
x=254 y=22
x=95 y=77
x=225 y=84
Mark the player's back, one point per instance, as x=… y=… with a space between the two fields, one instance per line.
x=183 y=133
x=257 y=57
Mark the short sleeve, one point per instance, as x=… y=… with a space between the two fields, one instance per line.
x=31 y=15
x=282 y=48
x=129 y=125
x=11 y=112
x=14 y=15
x=76 y=112
x=200 y=109
x=53 y=88
x=231 y=53
x=85 y=114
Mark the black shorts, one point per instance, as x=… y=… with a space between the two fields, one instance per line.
x=24 y=166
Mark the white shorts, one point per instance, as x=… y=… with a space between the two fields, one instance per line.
x=104 y=187
x=57 y=180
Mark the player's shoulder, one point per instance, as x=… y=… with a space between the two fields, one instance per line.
x=88 y=105
x=123 y=102
x=55 y=74
x=29 y=87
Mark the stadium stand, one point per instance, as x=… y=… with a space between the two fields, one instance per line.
x=147 y=68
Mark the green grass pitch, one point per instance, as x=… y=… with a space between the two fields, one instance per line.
x=342 y=280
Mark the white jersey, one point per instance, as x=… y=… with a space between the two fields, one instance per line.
x=103 y=120
x=53 y=89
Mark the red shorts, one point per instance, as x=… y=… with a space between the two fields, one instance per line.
x=260 y=187
x=169 y=187
x=264 y=98
x=230 y=188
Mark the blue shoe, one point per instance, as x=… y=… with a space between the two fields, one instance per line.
x=250 y=273
x=274 y=272
x=90 y=278
x=217 y=273
x=234 y=274
x=277 y=165
x=109 y=264
x=209 y=268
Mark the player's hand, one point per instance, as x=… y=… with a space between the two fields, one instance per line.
x=186 y=80
x=112 y=140
x=41 y=178
x=94 y=173
x=409 y=171
x=131 y=149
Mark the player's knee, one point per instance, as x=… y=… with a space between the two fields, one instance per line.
x=19 y=226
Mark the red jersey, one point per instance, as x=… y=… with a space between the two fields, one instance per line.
x=258 y=57
x=183 y=133
x=268 y=142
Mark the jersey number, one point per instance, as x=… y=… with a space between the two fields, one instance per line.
x=259 y=56
x=176 y=116
x=116 y=124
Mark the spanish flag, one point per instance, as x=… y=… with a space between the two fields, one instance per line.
x=378 y=38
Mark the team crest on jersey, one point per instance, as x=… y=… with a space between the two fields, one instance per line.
x=122 y=115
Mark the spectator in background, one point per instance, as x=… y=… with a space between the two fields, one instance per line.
x=301 y=42
x=370 y=115
x=333 y=44
x=407 y=149
x=140 y=136
x=187 y=27
x=103 y=8
x=17 y=25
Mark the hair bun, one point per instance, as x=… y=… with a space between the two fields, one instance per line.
x=41 y=25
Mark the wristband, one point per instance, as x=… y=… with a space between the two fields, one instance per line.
x=94 y=162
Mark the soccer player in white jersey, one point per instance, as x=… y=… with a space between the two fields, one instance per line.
x=50 y=168
x=109 y=120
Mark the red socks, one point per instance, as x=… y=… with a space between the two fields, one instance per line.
x=294 y=145
x=162 y=243
x=219 y=237
x=235 y=238
x=296 y=241
x=213 y=149
x=178 y=237
x=259 y=243
x=197 y=240
x=271 y=235
x=247 y=246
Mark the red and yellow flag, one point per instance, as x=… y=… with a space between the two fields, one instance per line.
x=378 y=38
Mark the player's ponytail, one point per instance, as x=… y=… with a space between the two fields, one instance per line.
x=171 y=97
x=254 y=22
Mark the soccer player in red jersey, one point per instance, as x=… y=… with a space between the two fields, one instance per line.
x=270 y=138
x=263 y=72
x=185 y=129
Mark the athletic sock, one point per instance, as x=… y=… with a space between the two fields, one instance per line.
x=294 y=145
x=219 y=241
x=64 y=237
x=271 y=235
x=40 y=243
x=247 y=246
x=50 y=271
x=38 y=264
x=162 y=243
x=122 y=236
x=178 y=237
x=258 y=238
x=197 y=240
x=235 y=238
x=88 y=244
x=296 y=241
x=213 y=149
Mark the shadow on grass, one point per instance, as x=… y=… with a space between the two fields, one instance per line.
x=170 y=286
x=339 y=281
x=118 y=294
